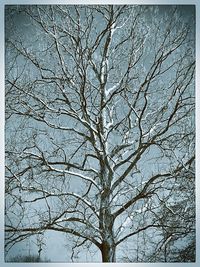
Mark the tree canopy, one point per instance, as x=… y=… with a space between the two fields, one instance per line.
x=100 y=134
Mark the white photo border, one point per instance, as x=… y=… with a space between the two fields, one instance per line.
x=2 y=123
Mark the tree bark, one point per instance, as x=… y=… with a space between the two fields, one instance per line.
x=108 y=246
x=108 y=252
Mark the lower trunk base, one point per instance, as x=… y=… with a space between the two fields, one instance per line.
x=108 y=252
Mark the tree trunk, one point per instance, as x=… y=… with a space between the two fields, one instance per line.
x=106 y=226
x=108 y=252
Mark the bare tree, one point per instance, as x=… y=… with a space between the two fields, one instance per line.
x=100 y=127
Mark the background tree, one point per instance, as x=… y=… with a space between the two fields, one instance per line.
x=100 y=128
x=30 y=258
